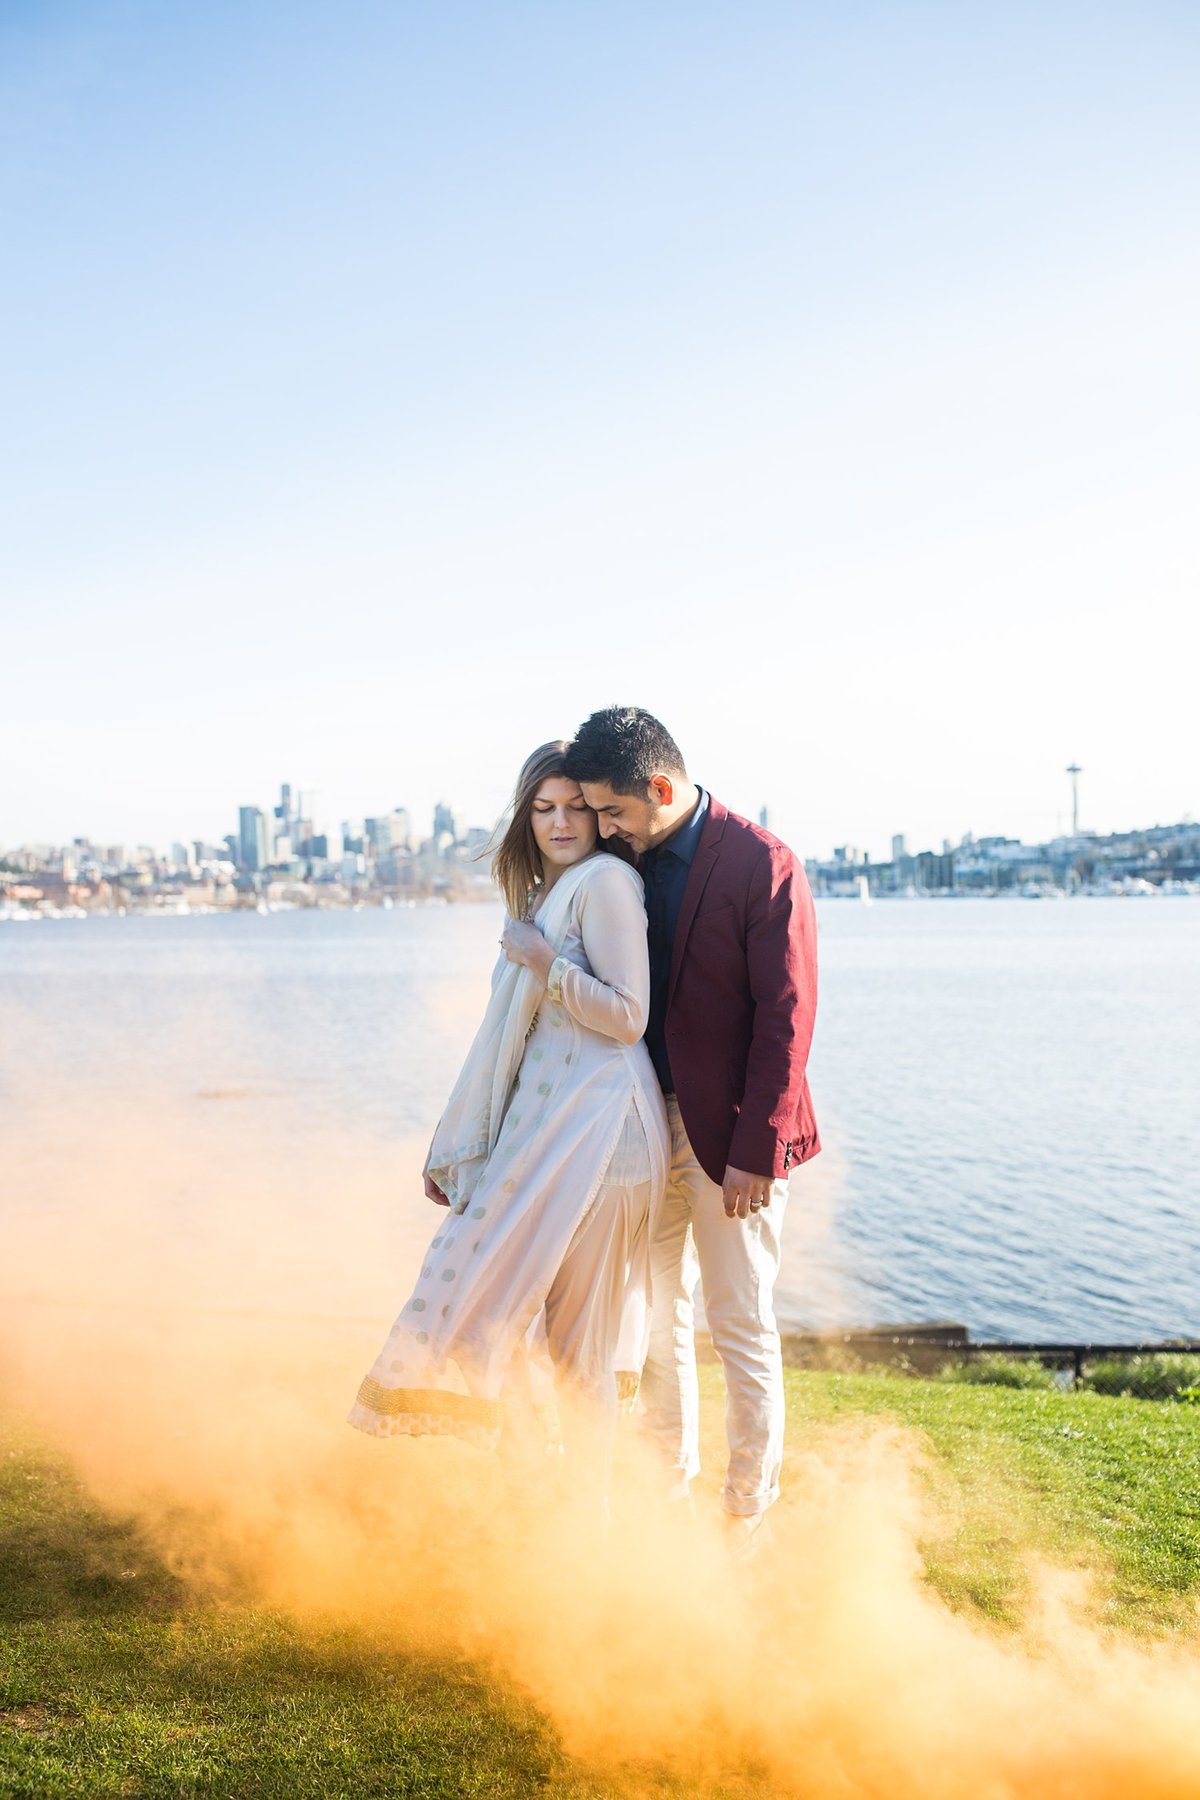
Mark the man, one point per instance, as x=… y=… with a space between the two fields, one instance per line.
x=733 y=991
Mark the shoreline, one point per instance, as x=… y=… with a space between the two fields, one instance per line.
x=19 y=913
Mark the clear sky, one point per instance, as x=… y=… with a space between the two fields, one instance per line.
x=387 y=385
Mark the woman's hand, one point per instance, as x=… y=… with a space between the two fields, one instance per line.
x=432 y=1190
x=524 y=943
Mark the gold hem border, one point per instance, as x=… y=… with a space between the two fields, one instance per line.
x=391 y=1403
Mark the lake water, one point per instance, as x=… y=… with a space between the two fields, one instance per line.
x=1007 y=1090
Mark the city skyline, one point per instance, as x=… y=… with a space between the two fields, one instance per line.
x=285 y=858
x=303 y=802
x=396 y=388
x=1041 y=822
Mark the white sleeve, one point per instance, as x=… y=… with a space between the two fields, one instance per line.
x=616 y=998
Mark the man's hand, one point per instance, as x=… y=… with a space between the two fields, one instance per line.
x=744 y=1193
x=433 y=1192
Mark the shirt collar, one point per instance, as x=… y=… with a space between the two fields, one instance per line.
x=682 y=843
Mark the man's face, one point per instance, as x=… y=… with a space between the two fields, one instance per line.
x=638 y=821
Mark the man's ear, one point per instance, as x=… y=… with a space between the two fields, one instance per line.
x=661 y=790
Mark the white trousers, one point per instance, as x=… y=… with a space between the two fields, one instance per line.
x=736 y=1261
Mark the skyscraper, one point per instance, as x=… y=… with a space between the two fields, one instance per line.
x=253 y=848
x=307 y=810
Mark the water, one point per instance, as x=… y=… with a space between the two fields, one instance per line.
x=1010 y=1088
x=1007 y=1090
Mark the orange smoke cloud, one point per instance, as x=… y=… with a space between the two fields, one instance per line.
x=188 y=1305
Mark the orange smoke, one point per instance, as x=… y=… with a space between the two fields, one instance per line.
x=188 y=1304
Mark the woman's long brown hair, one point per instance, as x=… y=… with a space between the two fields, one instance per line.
x=517 y=863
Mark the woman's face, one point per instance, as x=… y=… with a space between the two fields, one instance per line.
x=564 y=825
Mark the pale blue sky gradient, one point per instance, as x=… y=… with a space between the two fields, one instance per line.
x=386 y=386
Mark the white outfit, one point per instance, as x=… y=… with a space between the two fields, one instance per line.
x=553 y=1152
x=737 y=1261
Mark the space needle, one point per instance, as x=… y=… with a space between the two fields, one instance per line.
x=1074 y=771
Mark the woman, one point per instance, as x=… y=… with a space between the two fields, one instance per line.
x=549 y=1157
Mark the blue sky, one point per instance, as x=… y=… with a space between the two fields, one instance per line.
x=386 y=386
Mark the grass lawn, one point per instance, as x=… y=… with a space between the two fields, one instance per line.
x=115 y=1681
x=1112 y=1484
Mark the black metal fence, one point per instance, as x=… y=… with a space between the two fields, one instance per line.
x=1162 y=1370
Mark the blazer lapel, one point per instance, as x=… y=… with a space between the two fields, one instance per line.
x=702 y=867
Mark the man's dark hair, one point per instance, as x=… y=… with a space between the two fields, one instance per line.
x=623 y=746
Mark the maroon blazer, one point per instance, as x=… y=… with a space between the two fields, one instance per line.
x=742 y=999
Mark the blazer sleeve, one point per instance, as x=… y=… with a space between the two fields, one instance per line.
x=615 y=999
x=781 y=960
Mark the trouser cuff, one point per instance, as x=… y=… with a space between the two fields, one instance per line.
x=743 y=1507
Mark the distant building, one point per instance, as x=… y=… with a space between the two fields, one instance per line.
x=934 y=874
x=324 y=847
x=253 y=850
x=387 y=833
x=445 y=825
x=899 y=847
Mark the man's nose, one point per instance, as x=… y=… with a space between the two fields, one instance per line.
x=607 y=825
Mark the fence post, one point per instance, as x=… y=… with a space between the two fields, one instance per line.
x=1077 y=1357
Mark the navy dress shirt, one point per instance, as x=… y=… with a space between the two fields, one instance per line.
x=665 y=871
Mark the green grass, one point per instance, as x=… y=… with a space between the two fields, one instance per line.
x=114 y=1680
x=1110 y=1484
x=242 y=1704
